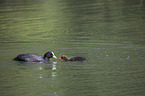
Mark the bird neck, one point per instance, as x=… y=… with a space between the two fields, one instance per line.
x=66 y=59
x=45 y=58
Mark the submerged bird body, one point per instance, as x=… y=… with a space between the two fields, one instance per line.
x=29 y=57
x=75 y=58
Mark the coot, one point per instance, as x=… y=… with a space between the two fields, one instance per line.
x=75 y=58
x=29 y=57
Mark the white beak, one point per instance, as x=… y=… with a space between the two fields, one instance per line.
x=54 y=56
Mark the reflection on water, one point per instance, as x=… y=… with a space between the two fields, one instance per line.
x=108 y=33
x=54 y=68
x=39 y=66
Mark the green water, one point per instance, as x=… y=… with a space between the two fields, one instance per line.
x=109 y=33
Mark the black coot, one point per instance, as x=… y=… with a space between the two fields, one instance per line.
x=29 y=57
x=75 y=58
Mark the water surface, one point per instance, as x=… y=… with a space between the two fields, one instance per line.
x=109 y=33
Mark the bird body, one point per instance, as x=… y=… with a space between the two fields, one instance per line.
x=75 y=58
x=30 y=57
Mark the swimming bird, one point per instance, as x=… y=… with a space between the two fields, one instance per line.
x=75 y=58
x=29 y=57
